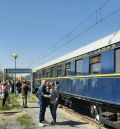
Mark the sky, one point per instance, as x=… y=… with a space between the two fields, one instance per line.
x=32 y=28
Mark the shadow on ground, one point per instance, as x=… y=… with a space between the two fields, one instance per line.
x=71 y=123
x=33 y=107
x=10 y=112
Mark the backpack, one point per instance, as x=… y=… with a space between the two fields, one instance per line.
x=39 y=89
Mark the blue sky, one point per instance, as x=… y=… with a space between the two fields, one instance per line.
x=32 y=27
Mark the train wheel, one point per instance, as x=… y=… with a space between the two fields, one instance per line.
x=95 y=112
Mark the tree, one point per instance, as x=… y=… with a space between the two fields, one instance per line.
x=1 y=75
x=8 y=77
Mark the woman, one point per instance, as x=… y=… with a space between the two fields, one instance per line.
x=54 y=96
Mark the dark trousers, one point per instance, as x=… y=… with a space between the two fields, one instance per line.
x=5 y=98
x=43 y=106
x=53 y=109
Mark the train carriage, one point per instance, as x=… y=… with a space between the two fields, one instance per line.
x=89 y=77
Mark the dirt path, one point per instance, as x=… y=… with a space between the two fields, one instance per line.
x=65 y=120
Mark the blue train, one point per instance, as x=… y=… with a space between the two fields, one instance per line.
x=89 y=77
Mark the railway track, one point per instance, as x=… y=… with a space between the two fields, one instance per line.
x=84 y=117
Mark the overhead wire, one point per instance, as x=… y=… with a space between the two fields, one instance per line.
x=58 y=46
x=89 y=28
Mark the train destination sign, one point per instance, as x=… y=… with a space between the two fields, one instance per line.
x=10 y=71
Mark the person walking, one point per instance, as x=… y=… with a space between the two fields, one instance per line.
x=6 y=94
x=25 y=90
x=54 y=96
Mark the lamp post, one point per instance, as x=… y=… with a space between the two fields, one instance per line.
x=15 y=56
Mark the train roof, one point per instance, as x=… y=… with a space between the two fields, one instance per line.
x=108 y=40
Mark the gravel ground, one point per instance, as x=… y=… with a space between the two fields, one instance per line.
x=65 y=120
x=10 y=124
x=62 y=120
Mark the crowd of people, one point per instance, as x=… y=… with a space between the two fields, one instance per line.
x=9 y=86
x=4 y=92
x=46 y=93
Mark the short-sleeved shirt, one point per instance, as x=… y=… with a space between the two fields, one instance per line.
x=44 y=91
x=39 y=92
x=40 y=89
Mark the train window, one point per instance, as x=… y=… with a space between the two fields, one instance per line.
x=95 y=64
x=67 y=69
x=95 y=59
x=36 y=76
x=95 y=68
x=78 y=67
x=43 y=73
x=53 y=72
x=39 y=74
x=48 y=73
x=59 y=71
x=117 y=60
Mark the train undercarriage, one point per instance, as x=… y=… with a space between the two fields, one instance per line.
x=105 y=113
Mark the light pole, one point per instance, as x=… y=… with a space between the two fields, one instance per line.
x=15 y=56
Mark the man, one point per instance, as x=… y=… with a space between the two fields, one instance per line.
x=25 y=90
x=38 y=93
x=44 y=101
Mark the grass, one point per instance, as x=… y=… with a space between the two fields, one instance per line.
x=12 y=105
x=32 y=99
x=14 y=102
x=26 y=121
x=2 y=125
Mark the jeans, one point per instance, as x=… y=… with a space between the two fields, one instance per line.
x=43 y=106
x=53 y=109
